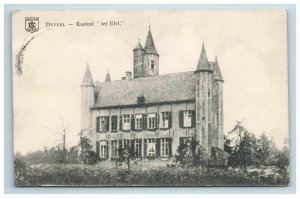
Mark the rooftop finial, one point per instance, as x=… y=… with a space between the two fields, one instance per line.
x=149 y=27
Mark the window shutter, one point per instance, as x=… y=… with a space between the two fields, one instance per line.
x=131 y=151
x=193 y=119
x=157 y=150
x=181 y=141
x=170 y=119
x=97 y=123
x=107 y=123
x=170 y=147
x=156 y=121
x=145 y=147
x=132 y=122
x=193 y=145
x=120 y=144
x=120 y=123
x=107 y=149
x=159 y=117
x=180 y=119
x=145 y=121
x=114 y=122
x=143 y=118
x=98 y=149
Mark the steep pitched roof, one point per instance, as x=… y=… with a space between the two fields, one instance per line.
x=160 y=88
x=87 y=78
x=203 y=64
x=218 y=74
x=138 y=46
x=149 y=45
x=107 y=78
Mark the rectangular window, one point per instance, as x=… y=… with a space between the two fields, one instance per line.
x=124 y=144
x=187 y=118
x=137 y=148
x=151 y=120
x=114 y=123
x=152 y=64
x=151 y=147
x=165 y=120
x=114 y=148
x=102 y=124
x=138 y=122
x=126 y=122
x=165 y=147
x=103 y=149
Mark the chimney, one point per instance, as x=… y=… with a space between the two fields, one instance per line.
x=128 y=76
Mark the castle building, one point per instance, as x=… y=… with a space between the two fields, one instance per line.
x=154 y=113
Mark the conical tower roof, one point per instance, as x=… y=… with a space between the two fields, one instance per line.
x=149 y=45
x=87 y=79
x=203 y=64
x=218 y=74
x=107 y=78
x=138 y=46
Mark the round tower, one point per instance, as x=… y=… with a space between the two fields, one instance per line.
x=138 y=58
x=151 y=57
x=87 y=101
x=219 y=91
x=203 y=101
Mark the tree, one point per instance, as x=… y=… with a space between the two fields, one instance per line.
x=87 y=156
x=191 y=154
x=266 y=150
x=282 y=157
x=244 y=147
x=125 y=154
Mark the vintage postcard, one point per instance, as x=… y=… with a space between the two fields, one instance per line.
x=150 y=98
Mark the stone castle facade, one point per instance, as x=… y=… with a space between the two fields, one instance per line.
x=154 y=113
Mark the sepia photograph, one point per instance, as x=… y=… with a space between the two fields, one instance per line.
x=160 y=98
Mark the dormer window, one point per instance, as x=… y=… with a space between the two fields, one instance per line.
x=152 y=64
x=141 y=99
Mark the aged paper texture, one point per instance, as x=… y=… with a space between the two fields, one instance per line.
x=150 y=98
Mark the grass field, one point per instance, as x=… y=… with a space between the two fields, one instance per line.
x=102 y=175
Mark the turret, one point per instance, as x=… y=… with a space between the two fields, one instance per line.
x=87 y=101
x=138 y=57
x=107 y=78
x=219 y=94
x=151 y=57
x=203 y=82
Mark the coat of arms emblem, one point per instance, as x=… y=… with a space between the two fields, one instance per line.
x=31 y=24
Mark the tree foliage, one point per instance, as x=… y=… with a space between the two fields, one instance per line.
x=245 y=149
x=191 y=154
x=87 y=155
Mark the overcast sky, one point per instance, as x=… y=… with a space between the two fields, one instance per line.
x=251 y=47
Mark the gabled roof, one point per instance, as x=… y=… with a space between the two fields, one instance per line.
x=218 y=74
x=149 y=45
x=87 y=78
x=203 y=64
x=156 y=89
